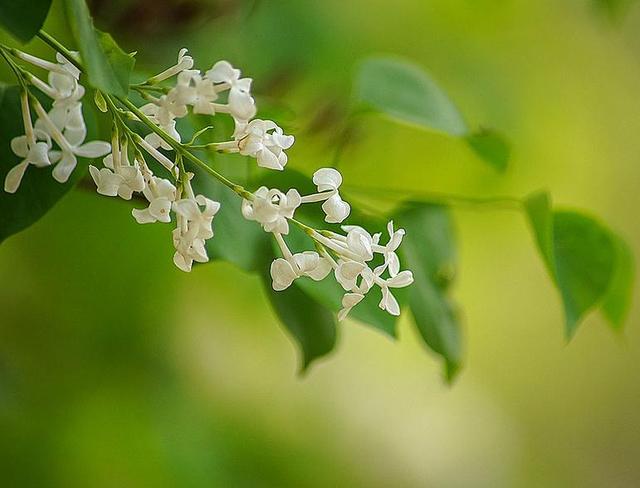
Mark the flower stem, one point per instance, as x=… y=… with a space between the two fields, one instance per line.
x=57 y=46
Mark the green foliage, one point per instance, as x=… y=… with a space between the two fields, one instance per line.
x=311 y=325
x=408 y=94
x=38 y=192
x=108 y=67
x=587 y=262
x=429 y=251
x=23 y=18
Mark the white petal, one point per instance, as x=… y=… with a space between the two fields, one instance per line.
x=19 y=146
x=93 y=149
x=14 y=177
x=65 y=167
x=327 y=179
x=402 y=279
x=143 y=216
x=282 y=274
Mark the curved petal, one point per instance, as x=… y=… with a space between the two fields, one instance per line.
x=93 y=149
x=65 y=167
x=14 y=177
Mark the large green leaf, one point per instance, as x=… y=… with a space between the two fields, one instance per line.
x=407 y=93
x=23 y=18
x=38 y=191
x=586 y=260
x=311 y=325
x=108 y=67
x=429 y=250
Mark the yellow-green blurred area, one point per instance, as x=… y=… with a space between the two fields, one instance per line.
x=118 y=370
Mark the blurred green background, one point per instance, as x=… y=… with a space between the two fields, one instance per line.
x=118 y=370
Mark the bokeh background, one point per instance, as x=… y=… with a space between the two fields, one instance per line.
x=118 y=370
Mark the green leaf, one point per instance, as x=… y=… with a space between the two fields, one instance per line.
x=23 y=19
x=491 y=147
x=583 y=259
x=428 y=249
x=617 y=302
x=38 y=192
x=408 y=94
x=108 y=67
x=311 y=325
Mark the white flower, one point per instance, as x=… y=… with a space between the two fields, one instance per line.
x=163 y=112
x=349 y=300
x=265 y=141
x=119 y=179
x=160 y=193
x=272 y=208
x=71 y=145
x=188 y=249
x=348 y=272
x=184 y=62
x=194 y=226
x=307 y=263
x=389 y=302
x=200 y=220
x=329 y=180
x=241 y=104
x=35 y=152
x=193 y=89
x=389 y=251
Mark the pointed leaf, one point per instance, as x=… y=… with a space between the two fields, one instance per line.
x=108 y=67
x=584 y=260
x=408 y=94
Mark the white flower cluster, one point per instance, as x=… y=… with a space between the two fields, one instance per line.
x=357 y=259
x=260 y=139
x=63 y=125
x=347 y=255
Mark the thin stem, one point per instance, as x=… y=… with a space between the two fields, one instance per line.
x=178 y=147
x=435 y=197
x=14 y=67
x=57 y=46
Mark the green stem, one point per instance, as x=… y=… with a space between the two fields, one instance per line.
x=178 y=147
x=14 y=67
x=57 y=46
x=435 y=197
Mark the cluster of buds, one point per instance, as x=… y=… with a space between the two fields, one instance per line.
x=63 y=125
